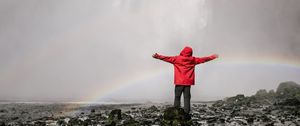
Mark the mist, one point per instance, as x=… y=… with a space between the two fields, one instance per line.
x=74 y=50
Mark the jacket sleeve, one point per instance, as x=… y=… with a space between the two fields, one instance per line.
x=199 y=60
x=169 y=59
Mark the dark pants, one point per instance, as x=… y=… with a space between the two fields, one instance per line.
x=186 y=95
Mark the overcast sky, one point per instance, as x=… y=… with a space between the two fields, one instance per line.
x=78 y=50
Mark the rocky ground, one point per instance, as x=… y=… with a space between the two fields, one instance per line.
x=265 y=108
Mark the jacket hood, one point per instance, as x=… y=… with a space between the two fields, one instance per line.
x=186 y=51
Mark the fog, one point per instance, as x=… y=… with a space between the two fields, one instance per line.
x=101 y=49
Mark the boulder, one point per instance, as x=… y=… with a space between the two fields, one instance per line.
x=114 y=117
x=115 y=114
x=176 y=116
x=288 y=93
x=2 y=123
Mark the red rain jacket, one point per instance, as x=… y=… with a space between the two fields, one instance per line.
x=184 y=65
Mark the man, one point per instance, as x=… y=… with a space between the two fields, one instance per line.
x=184 y=67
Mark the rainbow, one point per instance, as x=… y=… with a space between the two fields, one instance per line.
x=133 y=79
x=129 y=80
x=121 y=83
x=95 y=97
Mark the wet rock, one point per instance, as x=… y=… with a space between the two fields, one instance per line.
x=3 y=111
x=263 y=97
x=222 y=120
x=131 y=122
x=211 y=119
x=153 y=109
x=51 y=122
x=2 y=123
x=261 y=92
x=250 y=120
x=176 y=116
x=288 y=87
x=114 y=117
x=93 y=111
x=61 y=122
x=75 y=121
x=265 y=118
x=269 y=124
x=219 y=103
x=40 y=123
x=115 y=114
x=111 y=123
x=289 y=102
x=288 y=93
x=87 y=122
x=14 y=118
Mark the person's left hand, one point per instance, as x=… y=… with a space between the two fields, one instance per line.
x=154 y=55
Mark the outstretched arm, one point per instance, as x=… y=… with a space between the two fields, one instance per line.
x=199 y=60
x=169 y=59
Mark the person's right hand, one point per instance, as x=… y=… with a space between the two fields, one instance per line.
x=215 y=55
